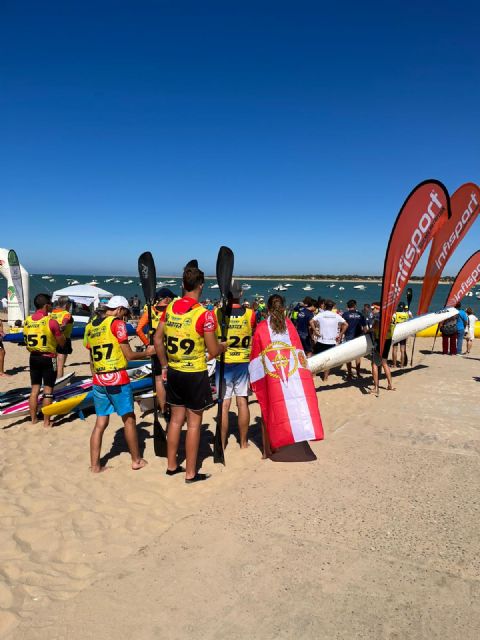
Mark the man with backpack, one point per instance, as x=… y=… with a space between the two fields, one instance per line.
x=448 y=329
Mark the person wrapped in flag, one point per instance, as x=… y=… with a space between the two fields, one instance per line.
x=282 y=382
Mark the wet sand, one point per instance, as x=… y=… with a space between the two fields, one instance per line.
x=376 y=539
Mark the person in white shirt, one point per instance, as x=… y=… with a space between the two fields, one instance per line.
x=470 y=331
x=328 y=330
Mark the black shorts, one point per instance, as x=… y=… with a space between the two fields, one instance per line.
x=1 y=345
x=66 y=349
x=43 y=370
x=319 y=347
x=402 y=343
x=190 y=390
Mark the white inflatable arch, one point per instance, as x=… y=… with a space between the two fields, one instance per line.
x=13 y=308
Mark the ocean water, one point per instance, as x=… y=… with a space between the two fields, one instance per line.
x=338 y=291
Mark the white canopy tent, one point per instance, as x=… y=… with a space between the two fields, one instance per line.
x=84 y=296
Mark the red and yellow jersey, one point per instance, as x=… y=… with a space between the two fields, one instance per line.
x=39 y=331
x=241 y=325
x=103 y=338
x=65 y=320
x=186 y=322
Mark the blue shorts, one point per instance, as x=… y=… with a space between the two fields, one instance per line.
x=118 y=399
x=236 y=379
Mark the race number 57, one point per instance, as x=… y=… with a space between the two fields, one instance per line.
x=101 y=352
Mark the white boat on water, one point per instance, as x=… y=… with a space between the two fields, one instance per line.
x=280 y=287
x=214 y=286
x=341 y=288
x=288 y=285
x=127 y=281
x=330 y=286
x=359 y=286
x=246 y=286
x=92 y=283
x=109 y=280
x=46 y=277
x=307 y=288
x=171 y=282
x=74 y=282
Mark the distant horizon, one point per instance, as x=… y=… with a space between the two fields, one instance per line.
x=320 y=277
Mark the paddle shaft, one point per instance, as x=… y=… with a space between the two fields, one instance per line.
x=218 y=453
x=409 y=302
x=159 y=435
x=435 y=338
x=224 y=271
x=148 y=279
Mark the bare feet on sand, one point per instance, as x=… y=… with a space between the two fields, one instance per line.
x=98 y=469
x=139 y=464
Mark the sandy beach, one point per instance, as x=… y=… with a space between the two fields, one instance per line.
x=376 y=539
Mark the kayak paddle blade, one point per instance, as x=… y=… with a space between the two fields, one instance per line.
x=224 y=270
x=148 y=275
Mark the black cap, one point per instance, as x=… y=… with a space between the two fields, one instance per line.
x=164 y=292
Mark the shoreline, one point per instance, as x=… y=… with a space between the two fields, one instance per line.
x=360 y=279
x=293 y=279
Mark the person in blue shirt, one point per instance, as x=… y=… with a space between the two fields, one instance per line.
x=304 y=315
x=462 y=324
x=357 y=326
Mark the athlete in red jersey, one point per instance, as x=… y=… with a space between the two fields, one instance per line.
x=184 y=332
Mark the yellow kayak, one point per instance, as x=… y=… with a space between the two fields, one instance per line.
x=431 y=331
x=62 y=407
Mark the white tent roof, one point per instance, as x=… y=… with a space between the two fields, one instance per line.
x=80 y=292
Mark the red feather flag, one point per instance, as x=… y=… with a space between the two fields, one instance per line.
x=465 y=205
x=468 y=277
x=423 y=213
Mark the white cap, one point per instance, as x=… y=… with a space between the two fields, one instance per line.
x=117 y=301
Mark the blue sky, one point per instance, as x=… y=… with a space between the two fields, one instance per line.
x=291 y=132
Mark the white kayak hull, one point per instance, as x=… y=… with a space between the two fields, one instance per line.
x=362 y=346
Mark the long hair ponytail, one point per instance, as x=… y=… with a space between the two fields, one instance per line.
x=276 y=311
